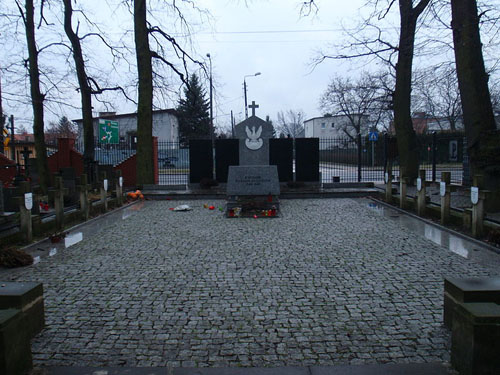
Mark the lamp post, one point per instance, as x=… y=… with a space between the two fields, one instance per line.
x=245 y=90
x=211 y=102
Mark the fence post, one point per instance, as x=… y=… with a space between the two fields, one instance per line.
x=83 y=188
x=445 y=193
x=421 y=203
x=119 y=187
x=385 y=153
x=359 y=157
x=434 y=146
x=26 y=226
x=104 y=191
x=58 y=194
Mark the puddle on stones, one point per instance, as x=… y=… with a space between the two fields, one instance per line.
x=449 y=241
x=72 y=238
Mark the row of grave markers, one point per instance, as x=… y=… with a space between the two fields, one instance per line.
x=473 y=218
x=26 y=201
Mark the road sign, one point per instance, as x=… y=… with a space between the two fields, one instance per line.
x=373 y=136
x=109 y=131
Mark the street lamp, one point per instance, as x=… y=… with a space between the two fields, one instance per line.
x=245 y=90
x=211 y=102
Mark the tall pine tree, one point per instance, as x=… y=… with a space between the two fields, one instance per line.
x=193 y=112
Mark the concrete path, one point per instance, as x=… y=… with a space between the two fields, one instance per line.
x=332 y=282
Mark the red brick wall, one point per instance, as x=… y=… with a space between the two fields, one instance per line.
x=129 y=174
x=7 y=174
x=66 y=156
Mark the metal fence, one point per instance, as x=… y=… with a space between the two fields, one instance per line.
x=109 y=153
x=173 y=163
x=362 y=160
x=355 y=159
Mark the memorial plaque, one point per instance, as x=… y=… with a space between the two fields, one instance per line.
x=307 y=159
x=253 y=180
x=281 y=154
x=226 y=154
x=28 y=201
x=474 y=194
x=419 y=184
x=442 y=189
x=200 y=159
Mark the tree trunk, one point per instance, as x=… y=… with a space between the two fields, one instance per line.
x=2 y=120
x=405 y=134
x=37 y=99
x=480 y=129
x=85 y=90
x=145 y=171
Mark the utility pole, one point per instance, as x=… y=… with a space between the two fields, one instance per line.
x=12 y=137
x=245 y=90
x=232 y=124
x=211 y=101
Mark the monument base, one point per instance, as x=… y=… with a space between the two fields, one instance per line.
x=253 y=191
x=253 y=206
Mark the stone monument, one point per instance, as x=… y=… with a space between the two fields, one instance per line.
x=253 y=186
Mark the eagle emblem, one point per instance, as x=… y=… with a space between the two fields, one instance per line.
x=254 y=142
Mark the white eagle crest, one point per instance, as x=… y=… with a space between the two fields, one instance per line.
x=254 y=142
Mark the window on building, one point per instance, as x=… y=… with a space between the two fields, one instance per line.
x=333 y=125
x=323 y=125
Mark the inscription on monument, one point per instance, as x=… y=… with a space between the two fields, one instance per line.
x=253 y=180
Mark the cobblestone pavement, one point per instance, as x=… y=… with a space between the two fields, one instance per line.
x=331 y=282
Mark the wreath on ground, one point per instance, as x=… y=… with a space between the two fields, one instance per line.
x=12 y=258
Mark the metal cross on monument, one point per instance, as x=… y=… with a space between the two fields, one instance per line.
x=253 y=106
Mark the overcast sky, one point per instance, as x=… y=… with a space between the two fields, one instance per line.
x=242 y=37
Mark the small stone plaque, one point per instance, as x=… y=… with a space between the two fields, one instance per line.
x=474 y=194
x=419 y=184
x=28 y=201
x=442 y=189
x=253 y=180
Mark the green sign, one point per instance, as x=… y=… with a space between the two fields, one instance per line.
x=108 y=131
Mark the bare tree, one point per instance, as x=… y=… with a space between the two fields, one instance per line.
x=364 y=102
x=88 y=85
x=405 y=134
x=479 y=121
x=37 y=97
x=3 y=118
x=436 y=93
x=144 y=55
x=291 y=123
x=161 y=40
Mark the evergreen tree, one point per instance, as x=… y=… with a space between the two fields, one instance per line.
x=193 y=112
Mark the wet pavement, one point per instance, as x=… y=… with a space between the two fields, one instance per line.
x=331 y=282
x=46 y=248
x=463 y=246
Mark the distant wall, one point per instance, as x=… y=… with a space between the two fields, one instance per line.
x=66 y=156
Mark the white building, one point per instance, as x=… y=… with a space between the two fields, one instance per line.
x=165 y=125
x=335 y=127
